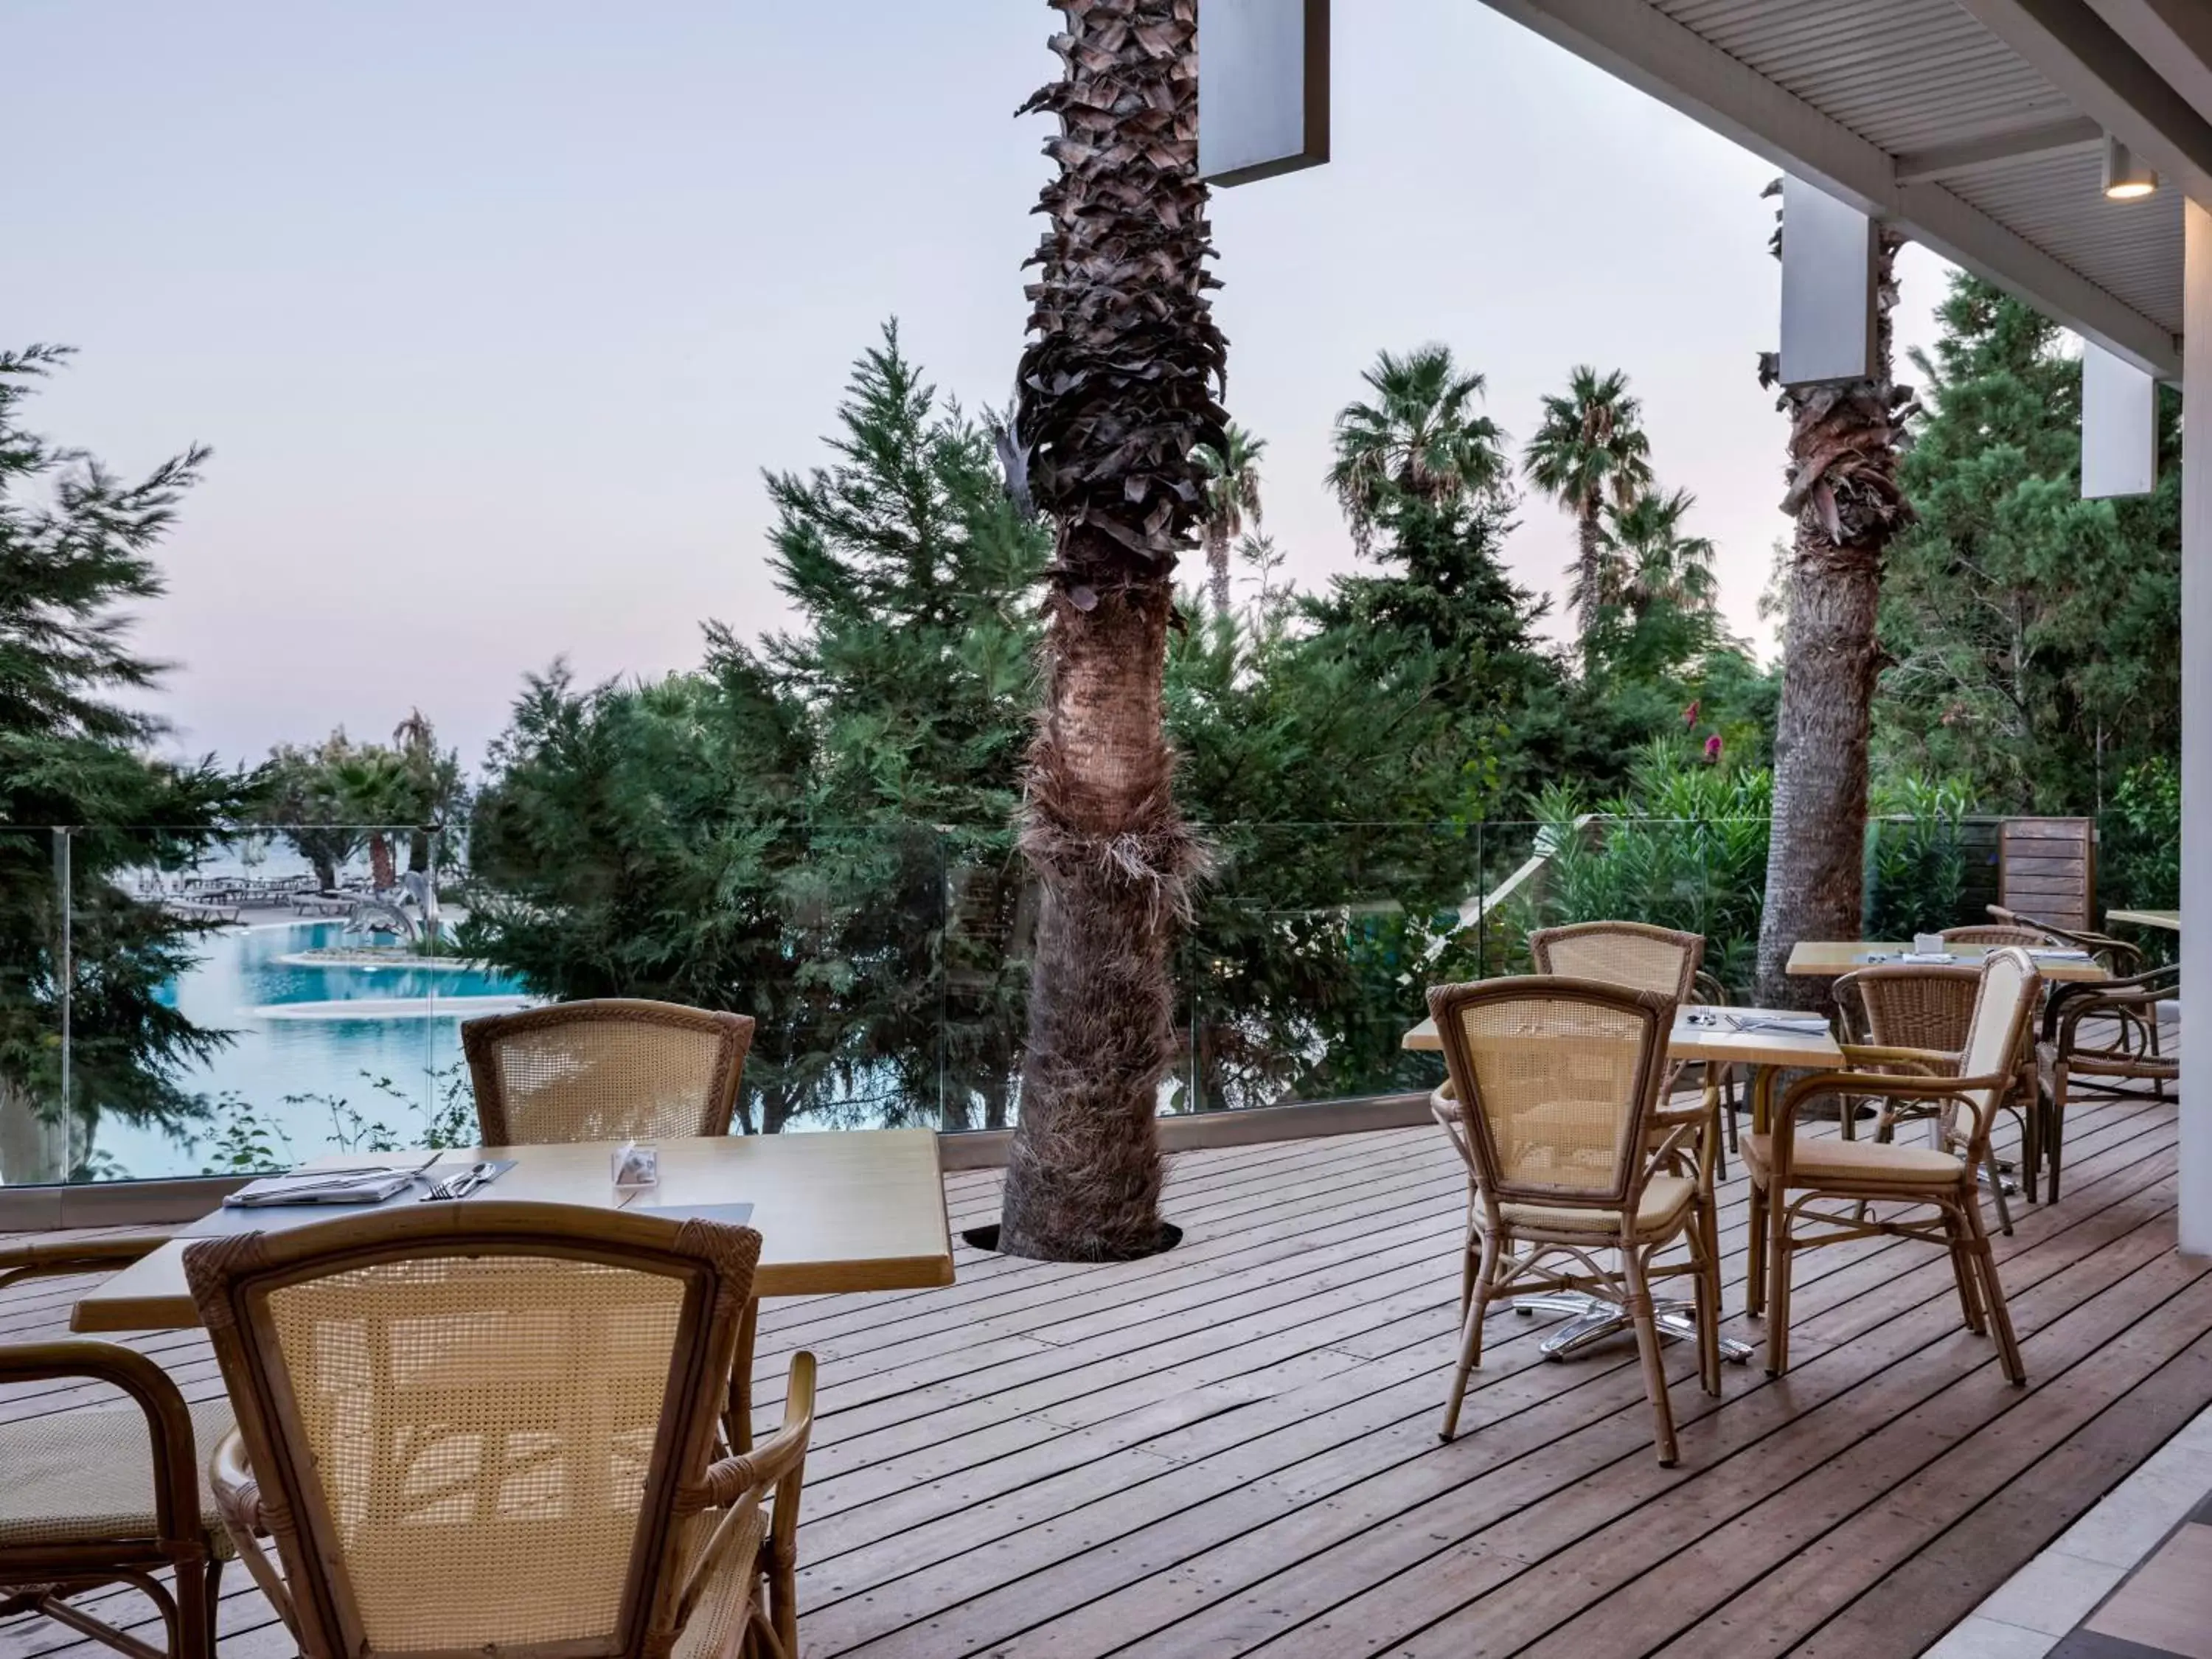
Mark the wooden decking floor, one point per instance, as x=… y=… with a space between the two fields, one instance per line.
x=1231 y=1449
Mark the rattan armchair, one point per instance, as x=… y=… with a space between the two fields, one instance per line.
x=1999 y=934
x=1634 y=954
x=2068 y=1054
x=1929 y=1007
x=1552 y=1100
x=2121 y=958
x=608 y=1069
x=1792 y=1178
x=105 y=1495
x=494 y=1428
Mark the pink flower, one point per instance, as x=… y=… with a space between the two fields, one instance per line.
x=1713 y=749
x=1690 y=714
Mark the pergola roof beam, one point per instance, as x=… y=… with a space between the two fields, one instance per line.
x=1674 y=64
x=2020 y=144
x=2105 y=78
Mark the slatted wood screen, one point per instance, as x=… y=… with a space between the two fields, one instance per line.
x=2048 y=870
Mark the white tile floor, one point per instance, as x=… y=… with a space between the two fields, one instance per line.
x=2045 y=1599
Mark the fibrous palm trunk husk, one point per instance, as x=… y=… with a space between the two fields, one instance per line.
x=1844 y=441
x=1118 y=386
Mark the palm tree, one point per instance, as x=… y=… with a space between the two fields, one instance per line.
x=1590 y=448
x=1417 y=441
x=1844 y=447
x=1653 y=611
x=1647 y=564
x=1119 y=384
x=377 y=793
x=1232 y=492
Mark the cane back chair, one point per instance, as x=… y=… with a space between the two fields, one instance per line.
x=1998 y=933
x=1791 y=1175
x=615 y=1068
x=494 y=1427
x=105 y=1495
x=608 y=1069
x=1552 y=1100
x=2092 y=1037
x=1636 y=955
x=1930 y=1008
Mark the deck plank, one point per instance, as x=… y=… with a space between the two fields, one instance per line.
x=1230 y=1449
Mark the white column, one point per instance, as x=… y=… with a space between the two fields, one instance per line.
x=2196 y=732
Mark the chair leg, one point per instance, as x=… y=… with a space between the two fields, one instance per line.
x=1639 y=1308
x=214 y=1600
x=2054 y=1124
x=1964 y=1271
x=1997 y=1192
x=2157 y=1083
x=1707 y=1249
x=1993 y=1299
x=192 y=1630
x=1777 y=1285
x=1754 y=1288
x=1470 y=1342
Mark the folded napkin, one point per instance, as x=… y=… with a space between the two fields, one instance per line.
x=2055 y=953
x=322 y=1186
x=1783 y=1024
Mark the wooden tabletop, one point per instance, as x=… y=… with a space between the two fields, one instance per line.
x=1696 y=1037
x=1832 y=956
x=852 y=1210
x=2169 y=919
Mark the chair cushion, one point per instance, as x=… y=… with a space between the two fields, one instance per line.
x=81 y=1477
x=1817 y=1160
x=1666 y=1200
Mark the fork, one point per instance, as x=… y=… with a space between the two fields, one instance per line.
x=461 y=1185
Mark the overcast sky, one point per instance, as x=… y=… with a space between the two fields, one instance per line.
x=493 y=312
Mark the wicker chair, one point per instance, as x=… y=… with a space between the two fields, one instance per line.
x=2121 y=958
x=1790 y=1175
x=82 y=1506
x=1640 y=956
x=1929 y=1007
x=1552 y=1100
x=2066 y=1054
x=1996 y=933
x=493 y=1427
x=605 y=1069
x=615 y=1068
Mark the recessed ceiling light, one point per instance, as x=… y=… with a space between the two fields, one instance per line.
x=2126 y=178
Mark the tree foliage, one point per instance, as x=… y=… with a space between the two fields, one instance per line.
x=2033 y=638
x=77 y=551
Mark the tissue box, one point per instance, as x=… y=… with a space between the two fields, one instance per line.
x=636 y=1166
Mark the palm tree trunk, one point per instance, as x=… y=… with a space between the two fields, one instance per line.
x=1844 y=494
x=1216 y=569
x=1118 y=386
x=1587 y=564
x=1115 y=858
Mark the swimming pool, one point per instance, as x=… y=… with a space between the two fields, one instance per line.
x=306 y=1029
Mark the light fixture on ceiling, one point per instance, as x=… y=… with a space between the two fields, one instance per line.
x=2126 y=178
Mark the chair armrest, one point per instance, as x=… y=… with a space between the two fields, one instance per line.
x=168 y=1421
x=238 y=1500
x=1882 y=1085
x=772 y=1461
x=1934 y=1062
x=76 y=1256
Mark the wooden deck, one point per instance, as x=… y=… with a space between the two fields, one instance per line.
x=1231 y=1449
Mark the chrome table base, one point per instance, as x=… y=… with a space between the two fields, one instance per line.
x=1592 y=1319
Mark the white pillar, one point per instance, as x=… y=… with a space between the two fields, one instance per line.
x=2197 y=731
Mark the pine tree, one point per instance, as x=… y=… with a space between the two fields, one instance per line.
x=76 y=547
x=2033 y=638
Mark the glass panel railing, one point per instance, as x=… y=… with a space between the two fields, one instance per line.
x=39 y=1142
x=284 y=991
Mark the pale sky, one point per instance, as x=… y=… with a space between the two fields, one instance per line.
x=494 y=312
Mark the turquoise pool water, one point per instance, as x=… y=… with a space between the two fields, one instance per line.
x=318 y=1029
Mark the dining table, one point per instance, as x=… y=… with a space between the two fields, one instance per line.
x=2165 y=920
x=1827 y=958
x=1762 y=1041
x=839 y=1211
